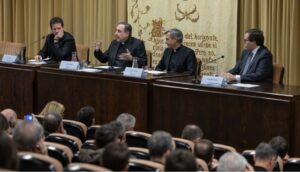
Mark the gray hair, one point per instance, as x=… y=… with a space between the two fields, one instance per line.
x=264 y=151
x=159 y=143
x=232 y=161
x=27 y=134
x=127 y=120
x=176 y=34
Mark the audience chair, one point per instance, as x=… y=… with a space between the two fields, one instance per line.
x=144 y=165
x=202 y=166
x=70 y=141
x=89 y=144
x=278 y=74
x=139 y=153
x=137 y=139
x=292 y=164
x=249 y=155
x=149 y=58
x=83 y=53
x=90 y=135
x=12 y=48
x=37 y=162
x=84 y=167
x=75 y=128
x=220 y=149
x=184 y=144
x=60 y=152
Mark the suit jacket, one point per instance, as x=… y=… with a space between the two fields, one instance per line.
x=187 y=62
x=62 y=50
x=135 y=46
x=260 y=69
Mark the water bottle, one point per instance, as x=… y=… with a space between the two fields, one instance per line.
x=74 y=56
x=134 y=62
x=21 y=58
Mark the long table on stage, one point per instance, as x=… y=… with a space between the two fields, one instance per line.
x=240 y=117
x=110 y=93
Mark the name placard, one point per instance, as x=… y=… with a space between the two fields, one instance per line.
x=212 y=80
x=69 y=65
x=9 y=58
x=133 y=72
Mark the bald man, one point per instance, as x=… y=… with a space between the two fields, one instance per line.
x=11 y=117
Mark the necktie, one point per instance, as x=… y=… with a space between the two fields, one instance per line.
x=247 y=63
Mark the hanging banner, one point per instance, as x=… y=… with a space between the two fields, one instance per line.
x=209 y=28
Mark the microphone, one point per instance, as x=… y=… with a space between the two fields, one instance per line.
x=33 y=42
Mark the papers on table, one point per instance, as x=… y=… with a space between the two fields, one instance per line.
x=245 y=85
x=106 y=67
x=89 y=70
x=36 y=62
x=155 y=72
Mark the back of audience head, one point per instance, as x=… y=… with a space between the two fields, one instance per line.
x=116 y=156
x=4 y=126
x=181 y=160
x=86 y=115
x=119 y=129
x=11 y=117
x=265 y=156
x=104 y=135
x=232 y=161
x=127 y=120
x=204 y=149
x=53 y=107
x=53 y=123
x=192 y=132
x=29 y=136
x=8 y=151
x=280 y=144
x=160 y=144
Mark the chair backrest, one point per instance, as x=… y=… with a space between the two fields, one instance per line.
x=137 y=139
x=75 y=128
x=12 y=48
x=249 y=155
x=220 y=149
x=278 y=74
x=60 y=152
x=184 y=144
x=149 y=58
x=37 y=162
x=202 y=165
x=70 y=141
x=89 y=144
x=40 y=118
x=144 y=165
x=292 y=164
x=139 y=153
x=83 y=52
x=90 y=134
x=84 y=167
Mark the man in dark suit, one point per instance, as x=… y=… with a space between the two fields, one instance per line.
x=177 y=57
x=256 y=60
x=59 y=44
x=123 y=49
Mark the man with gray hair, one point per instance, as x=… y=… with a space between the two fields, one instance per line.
x=265 y=157
x=11 y=117
x=177 y=57
x=233 y=161
x=29 y=136
x=160 y=145
x=127 y=120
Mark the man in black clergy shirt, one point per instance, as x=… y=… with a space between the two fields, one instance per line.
x=59 y=44
x=177 y=57
x=123 y=49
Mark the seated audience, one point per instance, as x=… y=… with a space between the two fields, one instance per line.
x=127 y=120
x=233 y=161
x=86 y=115
x=116 y=156
x=29 y=137
x=11 y=117
x=120 y=130
x=3 y=124
x=8 y=152
x=53 y=107
x=53 y=123
x=160 y=145
x=280 y=144
x=181 y=160
x=265 y=157
x=192 y=132
x=204 y=150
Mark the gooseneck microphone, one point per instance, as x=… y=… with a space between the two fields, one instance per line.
x=33 y=42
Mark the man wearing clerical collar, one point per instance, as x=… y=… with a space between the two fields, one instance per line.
x=177 y=57
x=123 y=49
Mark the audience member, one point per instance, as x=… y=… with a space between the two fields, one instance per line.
x=280 y=144
x=116 y=156
x=53 y=123
x=11 y=117
x=29 y=136
x=3 y=124
x=127 y=120
x=53 y=107
x=204 y=150
x=233 y=161
x=192 y=132
x=86 y=115
x=265 y=157
x=181 y=160
x=8 y=152
x=119 y=129
x=160 y=145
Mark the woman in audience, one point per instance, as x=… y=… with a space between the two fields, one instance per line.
x=53 y=107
